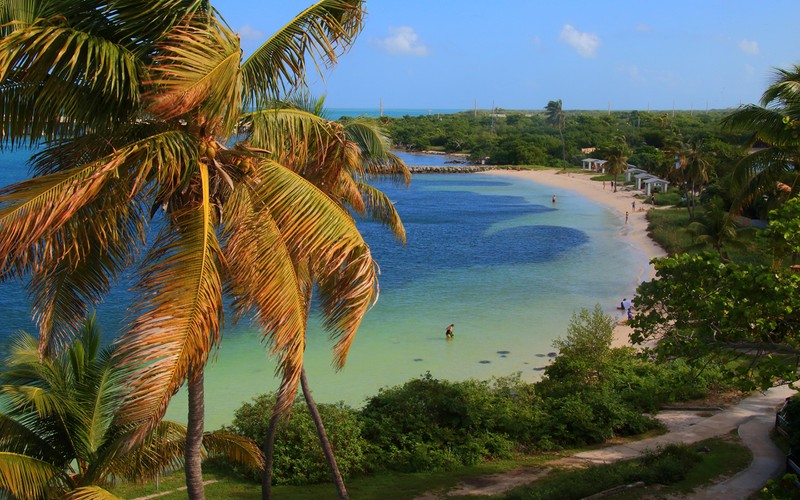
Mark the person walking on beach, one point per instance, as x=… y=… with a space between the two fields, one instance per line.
x=448 y=334
x=633 y=206
x=626 y=217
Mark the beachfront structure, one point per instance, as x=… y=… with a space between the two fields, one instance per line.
x=593 y=164
x=632 y=170
x=654 y=182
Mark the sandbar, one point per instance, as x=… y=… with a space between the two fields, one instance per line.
x=634 y=231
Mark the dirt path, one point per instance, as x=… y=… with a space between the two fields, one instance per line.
x=753 y=417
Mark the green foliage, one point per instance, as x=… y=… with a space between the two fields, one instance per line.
x=551 y=134
x=429 y=424
x=784 y=229
x=298 y=458
x=782 y=488
x=701 y=307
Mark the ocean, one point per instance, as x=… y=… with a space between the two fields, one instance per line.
x=490 y=254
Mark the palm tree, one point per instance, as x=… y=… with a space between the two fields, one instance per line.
x=60 y=424
x=775 y=124
x=339 y=158
x=716 y=227
x=136 y=102
x=616 y=156
x=692 y=171
x=556 y=117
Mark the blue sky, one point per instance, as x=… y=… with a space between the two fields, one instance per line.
x=520 y=54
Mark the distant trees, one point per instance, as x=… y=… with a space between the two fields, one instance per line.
x=534 y=139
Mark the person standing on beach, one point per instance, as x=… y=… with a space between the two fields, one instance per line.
x=448 y=334
x=633 y=205
x=626 y=217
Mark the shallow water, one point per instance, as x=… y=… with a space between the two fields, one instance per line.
x=489 y=253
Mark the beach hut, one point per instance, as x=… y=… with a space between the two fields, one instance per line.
x=655 y=182
x=641 y=177
x=633 y=169
x=593 y=164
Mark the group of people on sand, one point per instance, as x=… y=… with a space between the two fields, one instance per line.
x=627 y=306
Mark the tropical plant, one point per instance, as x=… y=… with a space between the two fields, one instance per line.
x=61 y=430
x=556 y=117
x=774 y=127
x=338 y=158
x=692 y=171
x=710 y=312
x=715 y=227
x=136 y=102
x=616 y=156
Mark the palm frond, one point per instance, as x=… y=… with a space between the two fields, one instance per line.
x=144 y=22
x=160 y=450
x=178 y=313
x=26 y=477
x=57 y=80
x=321 y=32
x=381 y=208
x=348 y=286
x=91 y=493
x=235 y=448
x=262 y=278
x=197 y=68
x=287 y=133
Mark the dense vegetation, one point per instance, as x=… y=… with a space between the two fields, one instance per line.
x=529 y=137
x=590 y=393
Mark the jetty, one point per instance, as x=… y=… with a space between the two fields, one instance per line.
x=448 y=169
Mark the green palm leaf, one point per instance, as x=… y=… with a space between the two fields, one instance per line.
x=91 y=493
x=26 y=477
x=321 y=32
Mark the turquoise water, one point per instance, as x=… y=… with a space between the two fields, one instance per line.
x=489 y=253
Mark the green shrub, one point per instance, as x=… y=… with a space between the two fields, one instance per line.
x=430 y=424
x=298 y=457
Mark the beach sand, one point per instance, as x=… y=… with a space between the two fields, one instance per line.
x=634 y=231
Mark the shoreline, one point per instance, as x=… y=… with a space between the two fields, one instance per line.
x=634 y=232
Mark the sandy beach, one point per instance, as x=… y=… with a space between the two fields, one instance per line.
x=634 y=232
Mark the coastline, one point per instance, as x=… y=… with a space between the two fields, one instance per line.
x=634 y=232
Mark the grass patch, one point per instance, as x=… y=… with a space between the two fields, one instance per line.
x=379 y=486
x=668 y=228
x=680 y=468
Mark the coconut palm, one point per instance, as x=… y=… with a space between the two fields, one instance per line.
x=340 y=159
x=616 y=156
x=555 y=116
x=692 y=171
x=60 y=426
x=775 y=124
x=716 y=227
x=136 y=102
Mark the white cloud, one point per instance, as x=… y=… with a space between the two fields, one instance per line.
x=402 y=41
x=633 y=73
x=250 y=33
x=585 y=43
x=749 y=47
x=643 y=28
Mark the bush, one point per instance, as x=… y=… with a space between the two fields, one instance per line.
x=298 y=457
x=429 y=424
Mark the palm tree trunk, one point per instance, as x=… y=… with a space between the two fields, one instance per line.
x=563 y=147
x=333 y=468
x=194 y=436
x=268 y=449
